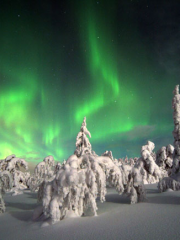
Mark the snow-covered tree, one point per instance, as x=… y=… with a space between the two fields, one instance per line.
x=164 y=158
x=176 y=132
x=13 y=165
x=82 y=178
x=78 y=183
x=6 y=183
x=57 y=167
x=173 y=181
x=147 y=166
x=130 y=161
x=108 y=154
x=126 y=160
x=82 y=142
x=43 y=170
x=135 y=185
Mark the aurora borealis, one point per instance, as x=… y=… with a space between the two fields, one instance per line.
x=115 y=62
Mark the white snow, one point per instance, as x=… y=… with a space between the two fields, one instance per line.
x=158 y=218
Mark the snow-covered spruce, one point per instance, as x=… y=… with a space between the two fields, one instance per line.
x=82 y=178
x=5 y=185
x=142 y=171
x=147 y=166
x=126 y=161
x=45 y=168
x=77 y=185
x=164 y=158
x=173 y=181
x=82 y=142
x=108 y=154
x=168 y=183
x=43 y=171
x=12 y=164
x=176 y=132
x=135 y=186
x=57 y=167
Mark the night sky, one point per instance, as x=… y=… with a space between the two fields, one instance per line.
x=115 y=62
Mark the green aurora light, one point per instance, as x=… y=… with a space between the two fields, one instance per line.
x=93 y=60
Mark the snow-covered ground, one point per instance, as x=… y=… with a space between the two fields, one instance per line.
x=156 y=219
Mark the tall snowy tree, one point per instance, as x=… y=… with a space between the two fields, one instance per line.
x=173 y=181
x=176 y=132
x=82 y=142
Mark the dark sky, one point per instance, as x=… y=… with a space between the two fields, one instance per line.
x=115 y=62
